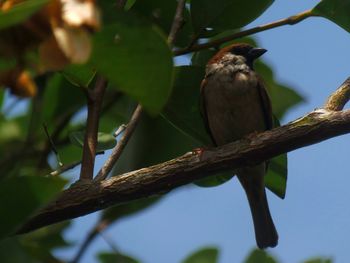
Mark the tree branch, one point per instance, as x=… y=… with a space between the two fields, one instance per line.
x=177 y=22
x=215 y=43
x=85 y=198
x=95 y=98
x=118 y=149
x=128 y=130
x=339 y=98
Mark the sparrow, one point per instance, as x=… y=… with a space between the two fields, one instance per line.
x=235 y=103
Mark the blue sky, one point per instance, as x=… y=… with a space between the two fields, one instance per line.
x=313 y=220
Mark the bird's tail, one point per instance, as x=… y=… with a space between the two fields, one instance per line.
x=265 y=231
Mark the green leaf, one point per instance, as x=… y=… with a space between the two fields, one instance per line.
x=283 y=98
x=162 y=13
x=41 y=242
x=118 y=113
x=160 y=142
x=134 y=56
x=205 y=255
x=335 y=10
x=158 y=11
x=115 y=258
x=259 y=256
x=276 y=177
x=201 y=58
x=70 y=153
x=182 y=109
x=47 y=238
x=61 y=98
x=105 y=141
x=11 y=251
x=129 y=4
x=20 y=12
x=117 y=212
x=216 y=180
x=7 y=63
x=79 y=75
x=319 y=260
x=21 y=196
x=10 y=130
x=225 y=14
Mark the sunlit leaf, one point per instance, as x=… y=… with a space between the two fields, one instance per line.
x=134 y=56
x=205 y=255
x=259 y=256
x=105 y=141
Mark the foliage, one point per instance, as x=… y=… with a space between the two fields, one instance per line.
x=130 y=50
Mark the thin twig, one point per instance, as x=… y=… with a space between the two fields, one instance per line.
x=95 y=98
x=99 y=227
x=214 y=43
x=177 y=22
x=67 y=167
x=52 y=144
x=109 y=241
x=128 y=131
x=118 y=149
x=339 y=98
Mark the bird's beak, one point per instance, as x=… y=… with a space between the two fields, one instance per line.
x=254 y=53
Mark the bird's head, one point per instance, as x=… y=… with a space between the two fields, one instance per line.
x=240 y=52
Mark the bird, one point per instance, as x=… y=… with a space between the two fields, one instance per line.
x=234 y=104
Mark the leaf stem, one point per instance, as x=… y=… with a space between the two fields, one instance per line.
x=99 y=227
x=118 y=149
x=177 y=22
x=214 y=43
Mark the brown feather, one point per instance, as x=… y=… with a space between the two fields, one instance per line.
x=235 y=103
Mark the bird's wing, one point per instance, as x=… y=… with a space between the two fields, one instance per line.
x=265 y=104
x=267 y=109
x=203 y=109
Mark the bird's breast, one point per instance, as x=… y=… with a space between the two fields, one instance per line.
x=233 y=106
